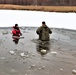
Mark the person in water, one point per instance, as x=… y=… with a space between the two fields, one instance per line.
x=43 y=32
x=16 y=33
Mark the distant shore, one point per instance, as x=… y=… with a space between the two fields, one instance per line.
x=39 y=8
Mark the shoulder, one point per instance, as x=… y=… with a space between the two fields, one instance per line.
x=39 y=27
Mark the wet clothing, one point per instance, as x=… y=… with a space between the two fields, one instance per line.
x=43 y=33
x=16 y=32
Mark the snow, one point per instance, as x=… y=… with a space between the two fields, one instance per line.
x=8 y=18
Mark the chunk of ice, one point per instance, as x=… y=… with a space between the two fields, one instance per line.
x=12 y=52
x=74 y=71
x=22 y=54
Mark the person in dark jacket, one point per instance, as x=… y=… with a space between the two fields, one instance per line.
x=43 y=32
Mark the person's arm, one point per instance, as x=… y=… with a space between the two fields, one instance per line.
x=50 y=31
x=20 y=32
x=38 y=31
x=14 y=32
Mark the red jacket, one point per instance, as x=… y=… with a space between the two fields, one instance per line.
x=16 y=32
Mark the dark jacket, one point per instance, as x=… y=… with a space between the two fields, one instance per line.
x=43 y=33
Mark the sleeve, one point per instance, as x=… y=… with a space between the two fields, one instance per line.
x=20 y=33
x=50 y=31
x=14 y=32
x=38 y=30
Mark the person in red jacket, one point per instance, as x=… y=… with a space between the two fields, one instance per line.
x=16 y=33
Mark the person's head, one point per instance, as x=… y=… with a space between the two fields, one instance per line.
x=43 y=23
x=16 y=26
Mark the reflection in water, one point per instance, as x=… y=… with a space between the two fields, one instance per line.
x=43 y=47
x=15 y=40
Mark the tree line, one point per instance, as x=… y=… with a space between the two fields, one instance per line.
x=40 y=2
